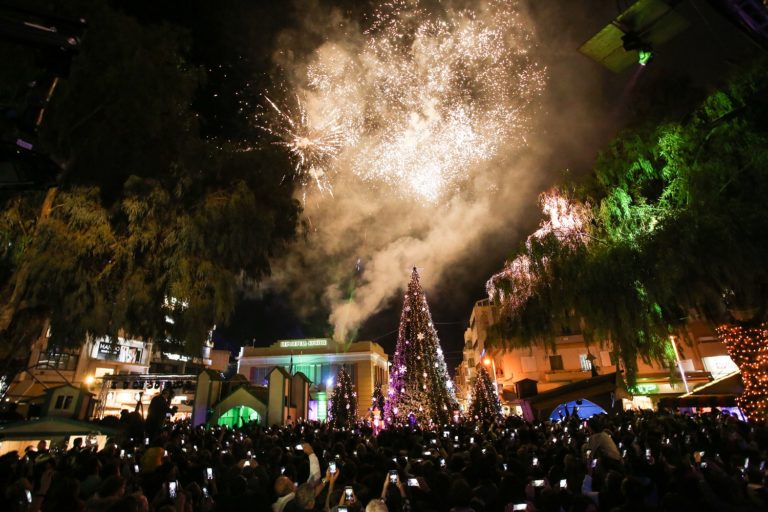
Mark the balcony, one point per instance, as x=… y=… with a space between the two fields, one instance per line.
x=566 y=375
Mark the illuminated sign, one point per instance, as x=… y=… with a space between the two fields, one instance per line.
x=644 y=389
x=303 y=343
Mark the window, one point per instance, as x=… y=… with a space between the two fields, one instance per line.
x=585 y=363
x=259 y=376
x=59 y=358
x=63 y=402
x=471 y=362
x=556 y=362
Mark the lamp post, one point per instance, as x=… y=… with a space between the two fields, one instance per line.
x=679 y=363
x=490 y=362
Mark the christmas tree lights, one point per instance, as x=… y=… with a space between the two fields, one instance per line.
x=748 y=348
x=420 y=388
x=342 y=412
x=485 y=401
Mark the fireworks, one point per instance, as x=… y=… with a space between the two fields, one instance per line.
x=417 y=102
x=568 y=221
x=312 y=148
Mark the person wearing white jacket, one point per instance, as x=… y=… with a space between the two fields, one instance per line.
x=285 y=488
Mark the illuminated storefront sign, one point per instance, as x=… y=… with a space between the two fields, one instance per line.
x=719 y=366
x=644 y=389
x=122 y=350
x=303 y=343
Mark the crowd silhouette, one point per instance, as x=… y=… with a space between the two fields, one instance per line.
x=634 y=461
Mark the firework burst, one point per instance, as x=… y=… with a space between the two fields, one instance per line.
x=568 y=221
x=417 y=102
x=312 y=147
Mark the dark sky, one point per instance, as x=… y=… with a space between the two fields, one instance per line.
x=233 y=40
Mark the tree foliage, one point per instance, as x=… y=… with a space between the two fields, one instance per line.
x=677 y=225
x=147 y=209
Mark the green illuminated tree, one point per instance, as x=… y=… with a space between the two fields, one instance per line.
x=343 y=409
x=485 y=404
x=675 y=222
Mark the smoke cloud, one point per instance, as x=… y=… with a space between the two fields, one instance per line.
x=436 y=156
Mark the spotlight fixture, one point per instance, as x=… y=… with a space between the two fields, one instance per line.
x=632 y=42
x=634 y=34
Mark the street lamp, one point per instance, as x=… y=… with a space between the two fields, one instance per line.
x=490 y=362
x=679 y=363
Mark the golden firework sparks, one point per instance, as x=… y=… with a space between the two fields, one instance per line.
x=419 y=103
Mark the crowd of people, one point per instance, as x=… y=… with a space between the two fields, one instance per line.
x=636 y=461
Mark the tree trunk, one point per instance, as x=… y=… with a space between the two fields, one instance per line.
x=10 y=308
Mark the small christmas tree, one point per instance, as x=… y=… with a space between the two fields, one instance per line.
x=485 y=401
x=343 y=409
x=420 y=388
x=377 y=401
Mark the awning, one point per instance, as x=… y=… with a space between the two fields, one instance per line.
x=698 y=401
x=52 y=427
x=720 y=392
x=604 y=390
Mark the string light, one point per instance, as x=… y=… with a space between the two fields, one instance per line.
x=748 y=348
x=424 y=390
x=342 y=410
x=485 y=404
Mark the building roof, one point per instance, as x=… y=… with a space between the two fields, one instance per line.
x=301 y=375
x=720 y=392
x=49 y=390
x=574 y=387
x=281 y=370
x=213 y=374
x=259 y=392
x=51 y=426
x=312 y=346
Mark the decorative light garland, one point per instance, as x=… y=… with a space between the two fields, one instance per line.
x=420 y=388
x=748 y=348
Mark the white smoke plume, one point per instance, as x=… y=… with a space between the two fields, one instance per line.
x=433 y=111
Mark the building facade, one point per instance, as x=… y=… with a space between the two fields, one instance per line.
x=702 y=359
x=122 y=373
x=319 y=360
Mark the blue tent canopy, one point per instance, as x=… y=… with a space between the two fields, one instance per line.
x=583 y=408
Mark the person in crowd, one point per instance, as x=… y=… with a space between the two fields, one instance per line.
x=635 y=461
x=159 y=407
x=284 y=485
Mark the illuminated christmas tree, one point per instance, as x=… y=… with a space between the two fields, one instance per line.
x=748 y=347
x=485 y=403
x=420 y=388
x=342 y=412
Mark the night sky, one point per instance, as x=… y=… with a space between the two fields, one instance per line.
x=583 y=106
